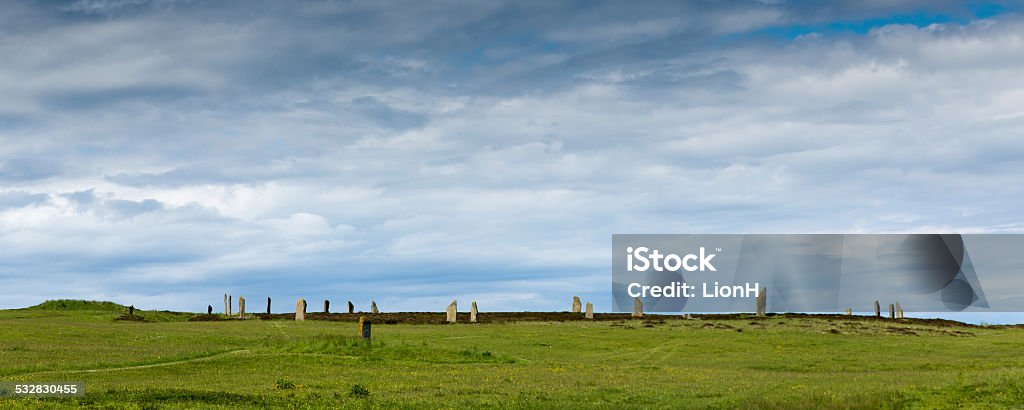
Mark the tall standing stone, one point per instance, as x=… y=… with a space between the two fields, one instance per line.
x=472 y=312
x=230 y=303
x=226 y=309
x=351 y=307
x=577 y=306
x=452 y=311
x=638 y=308
x=590 y=310
x=892 y=311
x=762 y=301
x=849 y=312
x=899 y=311
x=373 y=307
x=300 y=309
x=878 y=309
x=327 y=306
x=241 y=307
x=268 y=305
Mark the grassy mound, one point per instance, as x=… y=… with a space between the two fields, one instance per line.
x=70 y=304
x=105 y=310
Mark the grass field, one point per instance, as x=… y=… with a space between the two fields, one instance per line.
x=774 y=362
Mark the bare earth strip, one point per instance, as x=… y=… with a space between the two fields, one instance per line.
x=142 y=366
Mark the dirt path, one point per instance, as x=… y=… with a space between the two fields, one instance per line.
x=141 y=366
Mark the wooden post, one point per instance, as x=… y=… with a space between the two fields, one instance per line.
x=364 y=328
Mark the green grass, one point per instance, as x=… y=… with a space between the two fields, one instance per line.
x=779 y=362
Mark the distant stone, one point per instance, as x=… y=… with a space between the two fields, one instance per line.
x=351 y=307
x=227 y=310
x=762 y=302
x=452 y=311
x=230 y=303
x=209 y=309
x=241 y=307
x=849 y=312
x=878 y=309
x=327 y=306
x=373 y=307
x=577 y=306
x=472 y=312
x=268 y=305
x=300 y=309
x=899 y=311
x=892 y=311
x=638 y=308
x=590 y=310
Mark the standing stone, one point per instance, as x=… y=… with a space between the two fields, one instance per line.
x=373 y=307
x=878 y=309
x=576 y=305
x=241 y=307
x=638 y=308
x=226 y=309
x=351 y=307
x=268 y=305
x=300 y=309
x=849 y=312
x=899 y=311
x=452 y=311
x=762 y=301
x=327 y=306
x=209 y=309
x=230 y=303
x=472 y=312
x=364 y=328
x=590 y=310
x=892 y=311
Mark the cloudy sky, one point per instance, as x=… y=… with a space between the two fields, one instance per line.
x=165 y=152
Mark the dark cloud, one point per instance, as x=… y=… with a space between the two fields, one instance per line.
x=29 y=169
x=20 y=199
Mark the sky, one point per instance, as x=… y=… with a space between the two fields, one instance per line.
x=162 y=153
